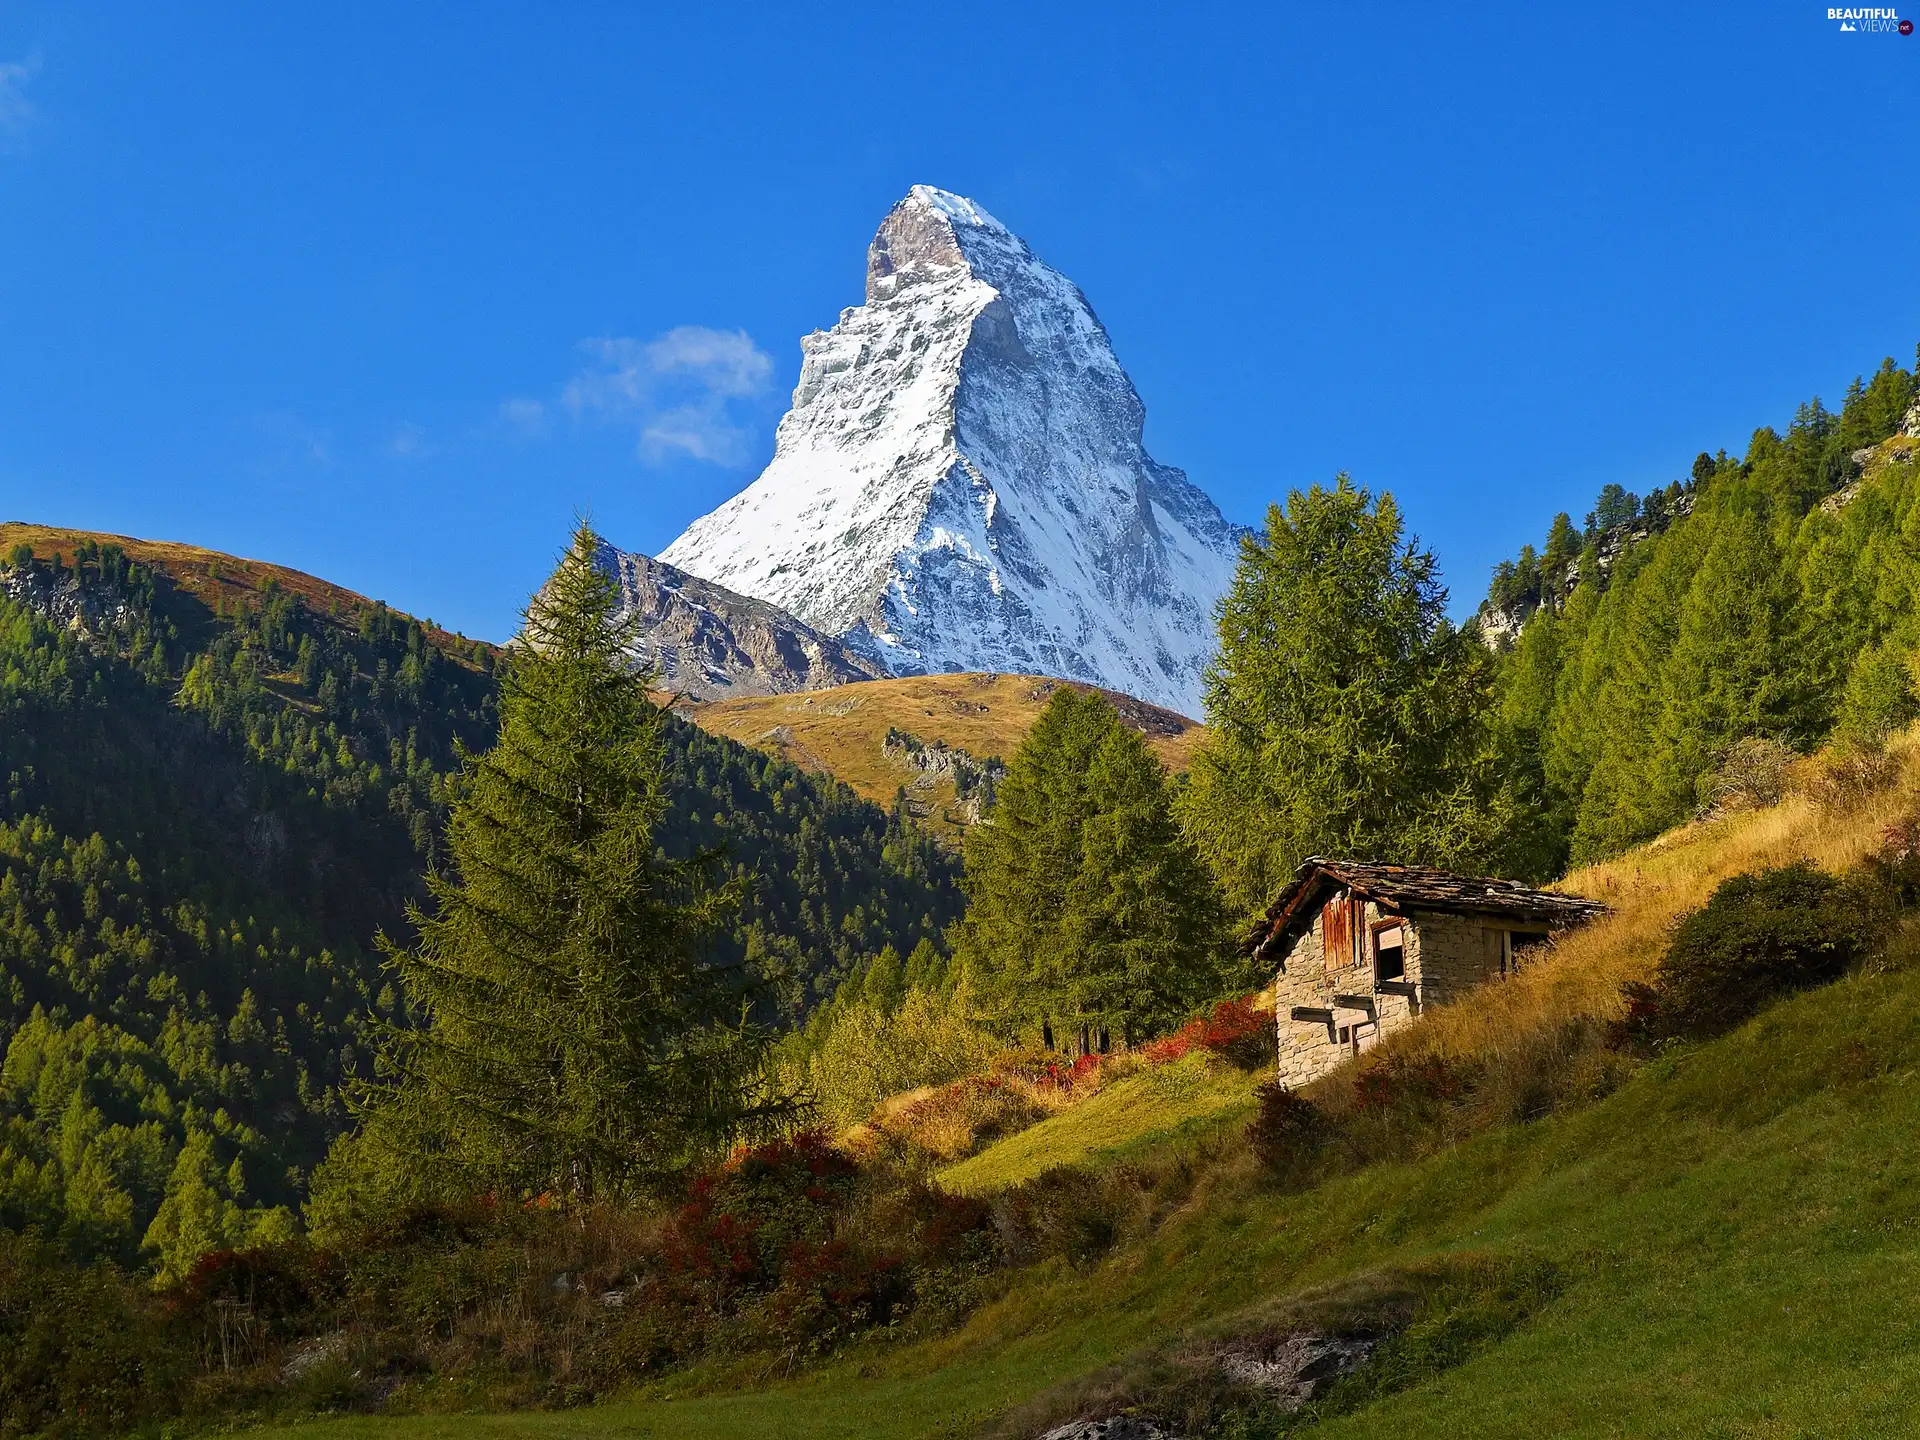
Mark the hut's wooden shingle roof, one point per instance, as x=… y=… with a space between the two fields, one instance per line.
x=1405 y=889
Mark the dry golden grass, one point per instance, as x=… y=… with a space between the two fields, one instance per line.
x=1649 y=889
x=945 y=1123
x=843 y=730
x=209 y=575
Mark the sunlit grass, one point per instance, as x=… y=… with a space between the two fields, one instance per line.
x=1147 y=1104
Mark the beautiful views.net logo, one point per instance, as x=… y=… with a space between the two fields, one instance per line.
x=1886 y=21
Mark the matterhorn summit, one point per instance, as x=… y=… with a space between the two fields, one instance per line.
x=961 y=485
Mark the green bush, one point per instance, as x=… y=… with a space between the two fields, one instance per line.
x=1759 y=937
x=870 y=1054
x=80 y=1352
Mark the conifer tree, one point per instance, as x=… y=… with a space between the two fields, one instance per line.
x=885 y=984
x=573 y=1042
x=1088 y=909
x=1345 y=714
x=926 y=968
x=1604 y=741
x=1528 y=680
x=1563 y=548
x=1730 y=674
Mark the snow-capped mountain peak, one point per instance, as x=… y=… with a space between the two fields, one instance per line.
x=960 y=483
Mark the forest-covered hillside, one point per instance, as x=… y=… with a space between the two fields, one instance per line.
x=222 y=781
x=1770 y=600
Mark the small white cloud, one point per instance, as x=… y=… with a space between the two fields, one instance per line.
x=682 y=389
x=693 y=431
x=524 y=414
x=16 y=110
x=286 y=445
x=725 y=361
x=409 y=440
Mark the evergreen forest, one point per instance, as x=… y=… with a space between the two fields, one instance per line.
x=212 y=810
x=1771 y=598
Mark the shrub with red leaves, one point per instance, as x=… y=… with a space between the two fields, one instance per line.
x=740 y=1220
x=1895 y=868
x=1641 y=1025
x=1233 y=1029
x=238 y=1304
x=1287 y=1131
x=1057 y=1072
x=791 y=1242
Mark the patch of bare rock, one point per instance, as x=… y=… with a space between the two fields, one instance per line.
x=1290 y=1371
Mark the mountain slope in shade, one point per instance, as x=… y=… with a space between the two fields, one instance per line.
x=705 y=642
x=960 y=483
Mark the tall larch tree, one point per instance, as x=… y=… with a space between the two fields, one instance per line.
x=1345 y=714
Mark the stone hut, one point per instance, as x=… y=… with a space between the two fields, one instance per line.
x=1361 y=949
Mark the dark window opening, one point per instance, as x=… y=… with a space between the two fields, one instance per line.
x=1516 y=941
x=1389 y=954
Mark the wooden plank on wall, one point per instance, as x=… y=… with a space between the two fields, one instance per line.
x=1335 y=942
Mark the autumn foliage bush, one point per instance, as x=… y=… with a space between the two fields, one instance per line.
x=1286 y=1132
x=1411 y=1084
x=1233 y=1029
x=792 y=1247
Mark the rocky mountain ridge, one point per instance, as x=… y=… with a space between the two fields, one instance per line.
x=705 y=642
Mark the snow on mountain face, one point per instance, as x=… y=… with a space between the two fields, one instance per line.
x=961 y=485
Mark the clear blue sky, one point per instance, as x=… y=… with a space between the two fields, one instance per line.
x=317 y=284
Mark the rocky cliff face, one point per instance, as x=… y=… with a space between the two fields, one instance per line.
x=960 y=483
x=708 y=643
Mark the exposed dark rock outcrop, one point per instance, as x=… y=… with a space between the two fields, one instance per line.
x=707 y=643
x=974 y=780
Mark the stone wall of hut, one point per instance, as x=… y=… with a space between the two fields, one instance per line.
x=1445 y=956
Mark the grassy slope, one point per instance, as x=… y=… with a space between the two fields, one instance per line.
x=1740 y=1226
x=842 y=730
x=1138 y=1109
